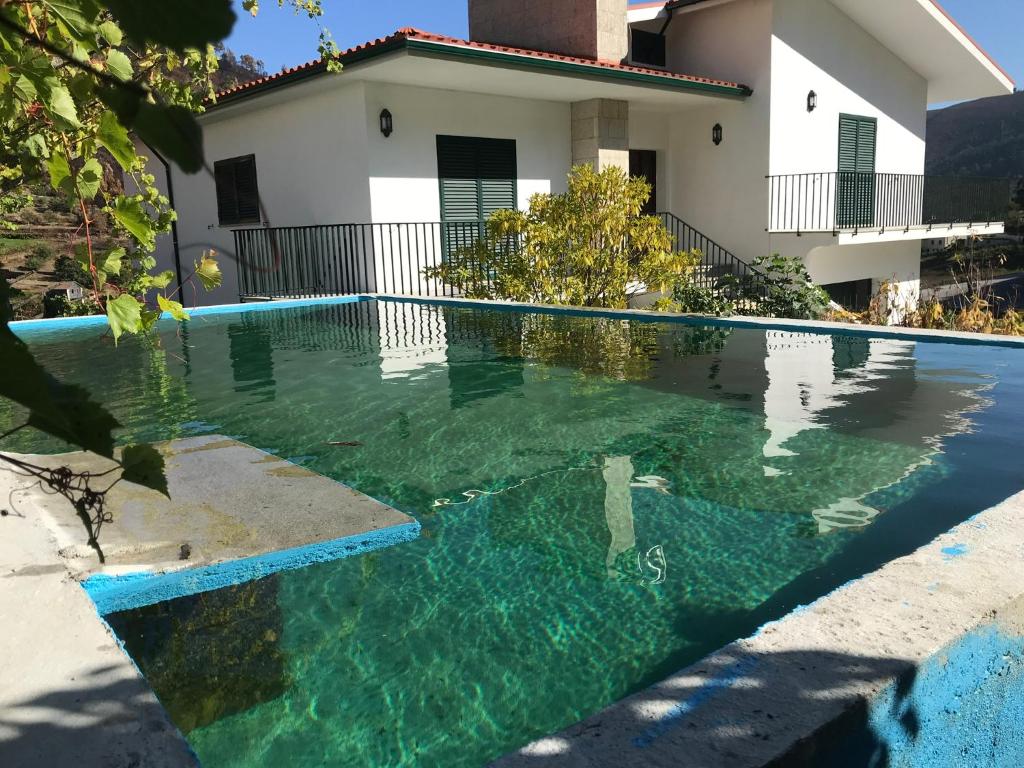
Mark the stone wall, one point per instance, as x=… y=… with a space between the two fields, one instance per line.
x=593 y=29
x=600 y=133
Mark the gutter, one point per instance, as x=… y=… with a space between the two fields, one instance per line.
x=174 y=224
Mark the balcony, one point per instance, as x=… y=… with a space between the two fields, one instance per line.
x=847 y=204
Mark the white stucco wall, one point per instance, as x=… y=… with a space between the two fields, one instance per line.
x=816 y=47
x=311 y=168
x=898 y=263
x=721 y=190
x=403 y=182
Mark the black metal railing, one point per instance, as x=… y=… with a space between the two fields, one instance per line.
x=339 y=259
x=848 y=201
x=717 y=263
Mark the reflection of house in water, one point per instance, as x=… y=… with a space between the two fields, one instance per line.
x=412 y=337
x=869 y=389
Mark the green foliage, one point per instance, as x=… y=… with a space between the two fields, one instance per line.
x=67 y=269
x=76 y=76
x=588 y=247
x=696 y=299
x=779 y=287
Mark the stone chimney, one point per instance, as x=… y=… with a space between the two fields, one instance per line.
x=590 y=29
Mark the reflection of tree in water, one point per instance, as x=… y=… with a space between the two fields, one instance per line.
x=209 y=655
x=598 y=346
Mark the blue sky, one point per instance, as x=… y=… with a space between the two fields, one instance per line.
x=281 y=39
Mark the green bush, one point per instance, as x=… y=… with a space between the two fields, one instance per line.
x=779 y=287
x=66 y=268
x=690 y=297
x=589 y=246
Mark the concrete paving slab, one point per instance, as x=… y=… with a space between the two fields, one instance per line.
x=69 y=696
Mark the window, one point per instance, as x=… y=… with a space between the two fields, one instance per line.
x=648 y=48
x=477 y=177
x=238 y=199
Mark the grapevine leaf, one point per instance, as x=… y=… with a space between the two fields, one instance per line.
x=178 y=25
x=114 y=137
x=77 y=16
x=144 y=465
x=174 y=308
x=209 y=274
x=90 y=175
x=161 y=280
x=118 y=65
x=60 y=173
x=124 y=315
x=60 y=104
x=129 y=213
x=35 y=145
x=111 y=263
x=149 y=318
x=110 y=32
x=171 y=130
x=24 y=89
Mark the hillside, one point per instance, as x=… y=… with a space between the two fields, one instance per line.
x=978 y=138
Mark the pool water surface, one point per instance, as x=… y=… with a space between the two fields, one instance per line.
x=603 y=502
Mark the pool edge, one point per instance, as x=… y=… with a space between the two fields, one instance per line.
x=111 y=594
x=820 y=327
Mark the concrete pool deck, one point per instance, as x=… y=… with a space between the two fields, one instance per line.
x=69 y=695
x=856 y=670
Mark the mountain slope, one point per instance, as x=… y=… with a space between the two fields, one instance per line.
x=978 y=138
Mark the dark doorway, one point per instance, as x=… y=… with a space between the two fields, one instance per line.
x=643 y=163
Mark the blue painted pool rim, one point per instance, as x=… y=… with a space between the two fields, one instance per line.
x=111 y=594
x=817 y=327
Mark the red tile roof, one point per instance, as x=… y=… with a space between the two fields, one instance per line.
x=383 y=44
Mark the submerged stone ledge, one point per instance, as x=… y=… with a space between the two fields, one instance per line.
x=69 y=694
x=235 y=514
x=867 y=672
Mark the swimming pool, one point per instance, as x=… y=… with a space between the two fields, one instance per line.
x=603 y=502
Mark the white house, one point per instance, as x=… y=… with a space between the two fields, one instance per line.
x=765 y=126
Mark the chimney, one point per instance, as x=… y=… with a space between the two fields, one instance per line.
x=590 y=29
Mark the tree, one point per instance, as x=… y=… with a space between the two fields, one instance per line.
x=587 y=247
x=78 y=77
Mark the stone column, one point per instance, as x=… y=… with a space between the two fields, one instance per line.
x=600 y=134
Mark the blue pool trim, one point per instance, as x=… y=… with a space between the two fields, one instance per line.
x=64 y=323
x=111 y=594
x=820 y=328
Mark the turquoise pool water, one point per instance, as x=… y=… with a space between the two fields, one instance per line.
x=603 y=502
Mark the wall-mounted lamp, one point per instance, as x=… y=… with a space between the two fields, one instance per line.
x=812 y=101
x=716 y=134
x=387 y=123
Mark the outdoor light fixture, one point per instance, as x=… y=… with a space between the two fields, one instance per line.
x=387 y=123
x=812 y=101
x=716 y=134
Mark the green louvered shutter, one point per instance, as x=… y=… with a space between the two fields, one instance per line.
x=477 y=177
x=855 y=188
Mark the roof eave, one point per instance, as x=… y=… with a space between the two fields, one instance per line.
x=490 y=57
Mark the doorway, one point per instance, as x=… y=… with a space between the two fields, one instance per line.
x=643 y=164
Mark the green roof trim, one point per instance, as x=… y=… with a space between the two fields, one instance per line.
x=454 y=51
x=574 y=68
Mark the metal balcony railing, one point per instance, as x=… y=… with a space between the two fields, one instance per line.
x=339 y=259
x=880 y=202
